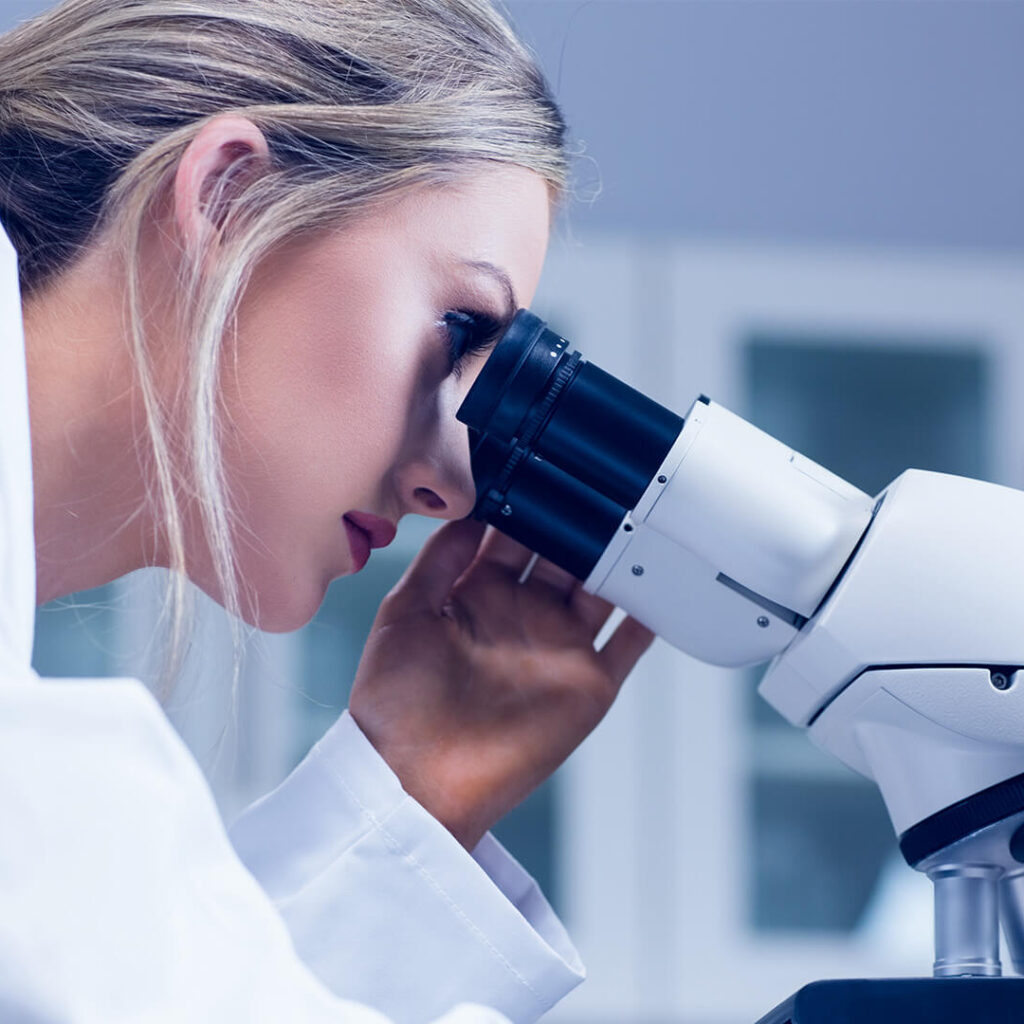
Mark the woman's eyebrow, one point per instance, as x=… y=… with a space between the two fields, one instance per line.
x=502 y=278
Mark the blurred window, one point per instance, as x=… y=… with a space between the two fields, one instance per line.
x=866 y=408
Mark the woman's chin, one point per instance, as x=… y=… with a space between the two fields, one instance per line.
x=272 y=601
x=286 y=609
x=289 y=617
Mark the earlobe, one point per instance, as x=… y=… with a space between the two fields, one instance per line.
x=213 y=158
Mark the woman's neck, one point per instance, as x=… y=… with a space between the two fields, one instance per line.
x=85 y=416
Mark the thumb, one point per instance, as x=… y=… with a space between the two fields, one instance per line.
x=446 y=555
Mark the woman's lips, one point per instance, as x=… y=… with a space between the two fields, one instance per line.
x=366 y=531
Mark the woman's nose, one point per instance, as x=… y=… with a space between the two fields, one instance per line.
x=438 y=481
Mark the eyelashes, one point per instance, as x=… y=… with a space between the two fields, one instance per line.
x=469 y=332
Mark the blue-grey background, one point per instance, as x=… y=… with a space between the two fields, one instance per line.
x=855 y=121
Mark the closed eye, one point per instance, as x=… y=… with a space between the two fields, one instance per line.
x=469 y=332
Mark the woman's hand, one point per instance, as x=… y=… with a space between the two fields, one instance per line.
x=475 y=687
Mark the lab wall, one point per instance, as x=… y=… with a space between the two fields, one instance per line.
x=810 y=211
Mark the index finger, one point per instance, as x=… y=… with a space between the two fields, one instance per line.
x=625 y=647
x=446 y=555
x=500 y=549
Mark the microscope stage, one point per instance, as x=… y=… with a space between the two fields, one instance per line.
x=962 y=1000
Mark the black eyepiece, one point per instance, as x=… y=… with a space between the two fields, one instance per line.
x=561 y=450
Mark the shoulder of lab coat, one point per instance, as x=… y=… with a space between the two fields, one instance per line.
x=442 y=927
x=123 y=897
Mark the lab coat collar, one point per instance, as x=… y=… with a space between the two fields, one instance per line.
x=17 y=535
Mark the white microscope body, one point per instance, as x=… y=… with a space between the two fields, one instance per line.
x=896 y=625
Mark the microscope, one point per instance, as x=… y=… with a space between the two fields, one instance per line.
x=894 y=625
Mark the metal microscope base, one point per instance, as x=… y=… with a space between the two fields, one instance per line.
x=904 y=1001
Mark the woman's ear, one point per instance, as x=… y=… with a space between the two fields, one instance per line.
x=223 y=146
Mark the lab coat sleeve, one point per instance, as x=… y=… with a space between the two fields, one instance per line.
x=386 y=906
x=123 y=899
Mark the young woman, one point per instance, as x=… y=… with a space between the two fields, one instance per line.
x=257 y=252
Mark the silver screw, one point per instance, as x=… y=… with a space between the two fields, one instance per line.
x=506 y=510
x=762 y=621
x=638 y=570
x=1000 y=680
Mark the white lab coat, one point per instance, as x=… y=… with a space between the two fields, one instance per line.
x=122 y=897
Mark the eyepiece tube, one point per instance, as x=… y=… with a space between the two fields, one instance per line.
x=561 y=450
x=608 y=435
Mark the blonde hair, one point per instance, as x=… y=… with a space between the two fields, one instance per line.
x=358 y=99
